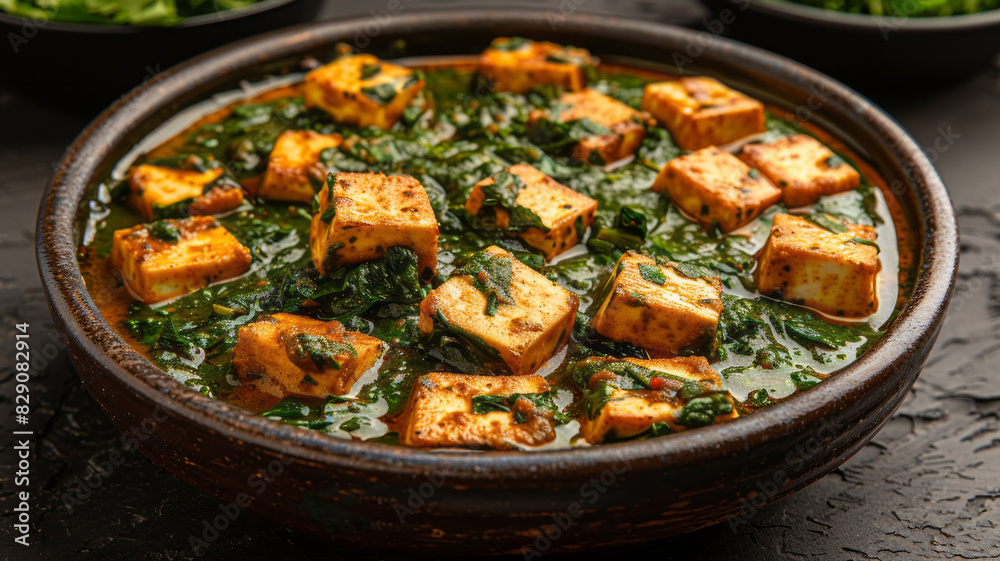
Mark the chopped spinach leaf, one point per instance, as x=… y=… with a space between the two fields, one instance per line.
x=321 y=351
x=502 y=193
x=355 y=423
x=826 y=222
x=804 y=380
x=595 y=398
x=463 y=350
x=369 y=70
x=512 y=44
x=702 y=411
x=693 y=270
x=164 y=230
x=384 y=93
x=492 y=275
x=330 y=212
x=351 y=291
x=652 y=273
x=834 y=162
x=288 y=408
x=483 y=404
x=863 y=241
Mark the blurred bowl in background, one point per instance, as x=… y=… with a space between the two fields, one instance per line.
x=84 y=67
x=861 y=49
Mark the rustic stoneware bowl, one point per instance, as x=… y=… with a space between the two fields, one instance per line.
x=395 y=498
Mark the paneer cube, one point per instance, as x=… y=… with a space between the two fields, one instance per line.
x=714 y=187
x=656 y=307
x=362 y=90
x=517 y=65
x=169 y=258
x=157 y=191
x=442 y=411
x=808 y=264
x=625 y=126
x=564 y=212
x=619 y=408
x=294 y=167
x=286 y=354
x=700 y=112
x=803 y=168
x=361 y=215
x=521 y=318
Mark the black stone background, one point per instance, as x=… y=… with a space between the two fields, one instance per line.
x=927 y=487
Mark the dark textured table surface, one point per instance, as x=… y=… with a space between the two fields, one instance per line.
x=927 y=487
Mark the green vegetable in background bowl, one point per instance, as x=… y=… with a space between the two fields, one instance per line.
x=111 y=12
x=905 y=8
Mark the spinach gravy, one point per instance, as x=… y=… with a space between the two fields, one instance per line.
x=528 y=250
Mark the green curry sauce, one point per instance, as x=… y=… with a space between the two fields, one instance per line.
x=456 y=135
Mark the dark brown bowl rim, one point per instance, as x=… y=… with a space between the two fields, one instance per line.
x=880 y=24
x=126 y=29
x=914 y=328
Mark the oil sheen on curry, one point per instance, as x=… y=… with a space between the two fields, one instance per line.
x=524 y=250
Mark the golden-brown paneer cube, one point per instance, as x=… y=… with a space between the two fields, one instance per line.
x=169 y=258
x=566 y=213
x=656 y=307
x=370 y=213
x=286 y=354
x=802 y=167
x=156 y=187
x=700 y=112
x=713 y=186
x=626 y=126
x=441 y=413
x=835 y=273
x=523 y=316
x=294 y=165
x=630 y=411
x=517 y=65
x=362 y=90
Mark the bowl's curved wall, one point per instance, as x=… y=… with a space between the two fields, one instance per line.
x=401 y=498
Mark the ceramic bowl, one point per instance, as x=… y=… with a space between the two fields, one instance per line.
x=396 y=498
